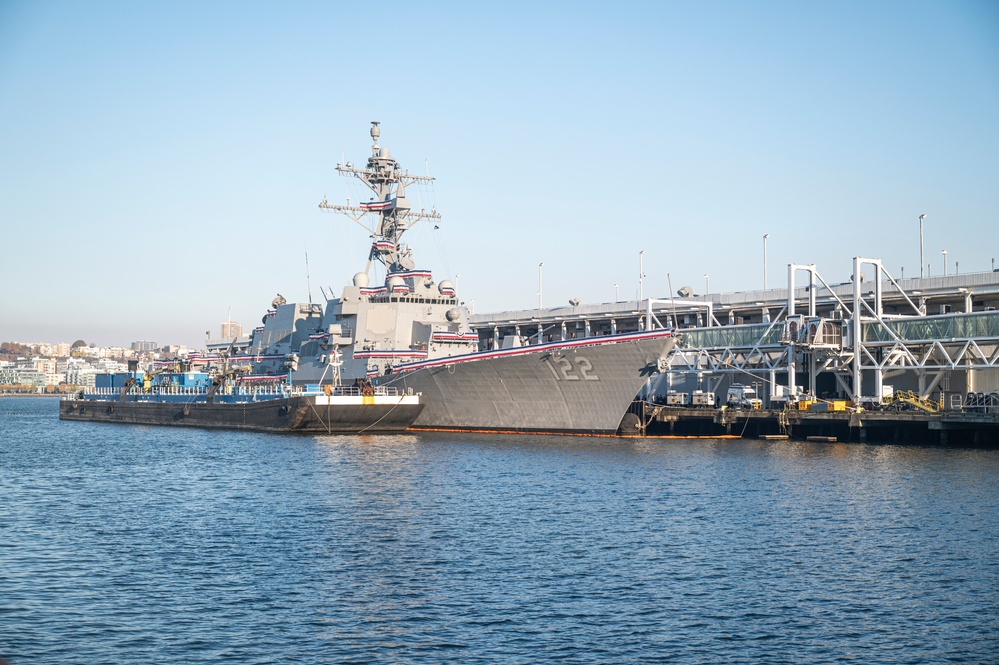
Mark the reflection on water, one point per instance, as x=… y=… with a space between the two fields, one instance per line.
x=139 y=544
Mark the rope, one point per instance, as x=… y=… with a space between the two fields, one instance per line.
x=387 y=414
x=328 y=423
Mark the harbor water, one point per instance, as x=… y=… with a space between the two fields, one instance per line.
x=131 y=544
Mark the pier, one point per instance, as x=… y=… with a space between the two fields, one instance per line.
x=955 y=428
x=905 y=359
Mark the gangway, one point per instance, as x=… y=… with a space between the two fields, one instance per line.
x=903 y=397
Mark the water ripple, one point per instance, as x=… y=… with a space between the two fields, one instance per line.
x=146 y=545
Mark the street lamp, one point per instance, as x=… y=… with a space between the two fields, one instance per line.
x=944 y=252
x=922 y=261
x=641 y=274
x=765 y=236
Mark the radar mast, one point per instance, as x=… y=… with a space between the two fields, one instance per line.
x=394 y=216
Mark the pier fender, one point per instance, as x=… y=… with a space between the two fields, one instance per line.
x=630 y=424
x=111 y=408
x=283 y=411
x=186 y=411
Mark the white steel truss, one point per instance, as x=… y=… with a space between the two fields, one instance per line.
x=865 y=341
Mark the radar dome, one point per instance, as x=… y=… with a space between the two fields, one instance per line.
x=445 y=286
x=384 y=153
x=361 y=279
x=453 y=314
x=395 y=281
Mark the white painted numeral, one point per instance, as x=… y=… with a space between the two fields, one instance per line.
x=583 y=369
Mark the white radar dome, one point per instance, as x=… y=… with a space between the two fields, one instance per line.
x=445 y=285
x=384 y=153
x=361 y=279
x=453 y=314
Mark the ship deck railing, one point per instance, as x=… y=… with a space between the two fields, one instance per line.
x=258 y=392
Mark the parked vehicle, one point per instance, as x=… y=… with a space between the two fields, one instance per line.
x=702 y=399
x=742 y=397
x=674 y=398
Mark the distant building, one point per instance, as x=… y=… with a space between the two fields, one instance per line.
x=44 y=365
x=175 y=350
x=143 y=345
x=81 y=376
x=231 y=329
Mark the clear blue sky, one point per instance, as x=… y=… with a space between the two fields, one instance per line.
x=162 y=162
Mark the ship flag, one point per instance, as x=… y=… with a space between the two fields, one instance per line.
x=377 y=205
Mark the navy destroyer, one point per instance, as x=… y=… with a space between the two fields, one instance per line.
x=411 y=334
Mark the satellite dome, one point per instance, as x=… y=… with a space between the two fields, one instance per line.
x=361 y=279
x=395 y=281
x=384 y=153
x=453 y=314
x=445 y=286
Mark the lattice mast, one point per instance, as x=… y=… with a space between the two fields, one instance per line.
x=394 y=216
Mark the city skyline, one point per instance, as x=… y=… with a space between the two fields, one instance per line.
x=164 y=164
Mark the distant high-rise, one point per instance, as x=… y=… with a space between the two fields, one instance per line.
x=143 y=345
x=231 y=329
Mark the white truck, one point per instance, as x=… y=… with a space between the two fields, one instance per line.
x=702 y=399
x=782 y=397
x=742 y=397
x=674 y=398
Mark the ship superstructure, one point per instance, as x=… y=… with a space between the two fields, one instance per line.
x=371 y=328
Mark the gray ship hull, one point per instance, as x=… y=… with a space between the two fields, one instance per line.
x=580 y=387
x=293 y=414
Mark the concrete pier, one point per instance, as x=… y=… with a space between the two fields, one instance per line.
x=946 y=428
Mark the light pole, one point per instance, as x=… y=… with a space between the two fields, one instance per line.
x=922 y=261
x=641 y=274
x=765 y=236
x=944 y=252
x=615 y=293
x=540 y=268
x=707 y=284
